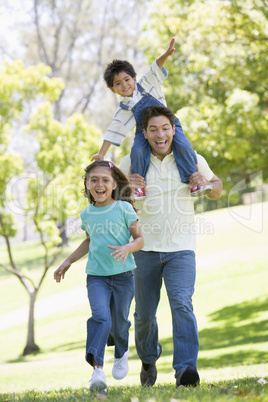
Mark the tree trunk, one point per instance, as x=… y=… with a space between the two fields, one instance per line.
x=31 y=347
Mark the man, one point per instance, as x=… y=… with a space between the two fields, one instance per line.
x=166 y=217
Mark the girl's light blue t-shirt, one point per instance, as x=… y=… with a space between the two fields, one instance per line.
x=108 y=225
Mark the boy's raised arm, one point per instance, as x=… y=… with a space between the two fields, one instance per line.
x=170 y=50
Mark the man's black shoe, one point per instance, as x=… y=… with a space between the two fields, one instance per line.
x=148 y=373
x=188 y=377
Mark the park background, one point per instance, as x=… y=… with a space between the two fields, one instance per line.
x=54 y=107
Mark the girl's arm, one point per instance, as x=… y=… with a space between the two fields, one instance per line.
x=121 y=252
x=170 y=50
x=76 y=255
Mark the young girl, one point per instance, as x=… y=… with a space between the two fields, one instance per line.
x=109 y=221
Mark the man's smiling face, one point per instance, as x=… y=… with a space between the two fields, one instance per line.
x=159 y=134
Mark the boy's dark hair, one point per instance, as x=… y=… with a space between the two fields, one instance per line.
x=116 y=67
x=155 y=111
x=123 y=189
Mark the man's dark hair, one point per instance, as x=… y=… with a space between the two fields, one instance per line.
x=155 y=111
x=116 y=67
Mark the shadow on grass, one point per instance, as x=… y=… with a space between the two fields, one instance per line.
x=68 y=347
x=233 y=334
x=65 y=347
x=236 y=327
x=240 y=312
x=233 y=326
x=231 y=331
x=243 y=358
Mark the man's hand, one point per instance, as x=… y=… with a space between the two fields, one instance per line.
x=197 y=178
x=136 y=181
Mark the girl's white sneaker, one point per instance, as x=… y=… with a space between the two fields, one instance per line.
x=98 y=380
x=120 y=368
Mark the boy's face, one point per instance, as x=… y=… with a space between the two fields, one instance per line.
x=159 y=134
x=123 y=84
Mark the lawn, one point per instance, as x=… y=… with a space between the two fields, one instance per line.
x=231 y=305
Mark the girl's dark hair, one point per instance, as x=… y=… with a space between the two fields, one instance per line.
x=123 y=189
x=116 y=67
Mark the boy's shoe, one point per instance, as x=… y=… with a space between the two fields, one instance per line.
x=139 y=194
x=98 y=380
x=201 y=189
x=188 y=377
x=120 y=368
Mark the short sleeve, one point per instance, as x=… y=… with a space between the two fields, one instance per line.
x=204 y=167
x=83 y=226
x=125 y=165
x=130 y=214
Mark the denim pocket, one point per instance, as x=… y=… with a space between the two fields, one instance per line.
x=128 y=274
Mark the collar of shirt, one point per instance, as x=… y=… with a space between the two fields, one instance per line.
x=167 y=159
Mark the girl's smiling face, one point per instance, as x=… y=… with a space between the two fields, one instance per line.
x=101 y=185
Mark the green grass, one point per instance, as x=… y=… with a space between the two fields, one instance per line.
x=230 y=302
x=246 y=389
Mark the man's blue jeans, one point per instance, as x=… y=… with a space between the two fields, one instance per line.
x=178 y=271
x=110 y=298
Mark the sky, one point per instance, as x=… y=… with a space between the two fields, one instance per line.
x=12 y=14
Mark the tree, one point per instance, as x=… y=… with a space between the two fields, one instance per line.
x=63 y=149
x=218 y=80
x=77 y=39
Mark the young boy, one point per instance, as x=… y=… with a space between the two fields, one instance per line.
x=135 y=97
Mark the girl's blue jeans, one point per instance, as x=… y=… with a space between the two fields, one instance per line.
x=110 y=298
x=178 y=271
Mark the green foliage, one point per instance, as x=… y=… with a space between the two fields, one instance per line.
x=63 y=150
x=7 y=227
x=218 y=79
x=10 y=165
x=19 y=84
